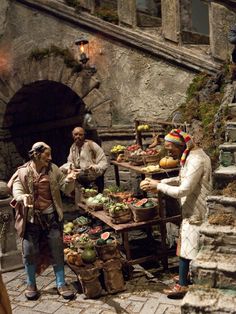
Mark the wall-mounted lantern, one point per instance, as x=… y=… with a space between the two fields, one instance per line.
x=83 y=53
x=83 y=49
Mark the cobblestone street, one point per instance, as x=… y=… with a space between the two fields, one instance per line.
x=143 y=294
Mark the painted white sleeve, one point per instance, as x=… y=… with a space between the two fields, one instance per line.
x=193 y=174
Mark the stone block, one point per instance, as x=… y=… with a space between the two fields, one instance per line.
x=232 y=110
x=220 y=20
x=93 y=99
x=230 y=132
x=102 y=114
x=127 y=12
x=222 y=239
x=215 y=270
x=84 y=84
x=208 y=301
x=43 y=69
x=219 y=203
x=10 y=256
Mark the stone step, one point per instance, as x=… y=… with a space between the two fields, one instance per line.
x=232 y=110
x=221 y=239
x=230 y=131
x=220 y=203
x=231 y=147
x=227 y=173
x=214 y=270
x=208 y=301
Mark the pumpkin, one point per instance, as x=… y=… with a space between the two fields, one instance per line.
x=168 y=162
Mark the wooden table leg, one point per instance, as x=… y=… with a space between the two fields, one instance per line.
x=125 y=239
x=164 y=246
x=117 y=175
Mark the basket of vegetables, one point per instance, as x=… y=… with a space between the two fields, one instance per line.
x=86 y=193
x=144 y=209
x=116 y=151
x=96 y=202
x=119 y=213
x=107 y=247
x=151 y=156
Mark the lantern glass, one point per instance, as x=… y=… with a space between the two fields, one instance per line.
x=83 y=49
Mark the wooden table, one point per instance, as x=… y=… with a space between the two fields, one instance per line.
x=162 y=220
x=161 y=173
x=124 y=229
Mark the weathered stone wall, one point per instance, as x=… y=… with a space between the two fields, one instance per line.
x=131 y=83
x=137 y=84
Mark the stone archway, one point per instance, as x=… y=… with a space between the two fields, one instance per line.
x=50 y=68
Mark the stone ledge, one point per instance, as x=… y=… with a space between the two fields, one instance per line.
x=132 y=37
x=208 y=301
x=228 y=146
x=209 y=229
x=221 y=199
x=221 y=239
x=226 y=172
x=215 y=270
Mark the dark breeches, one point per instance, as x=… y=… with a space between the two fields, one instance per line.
x=36 y=239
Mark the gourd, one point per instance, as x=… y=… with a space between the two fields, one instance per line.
x=168 y=162
x=88 y=255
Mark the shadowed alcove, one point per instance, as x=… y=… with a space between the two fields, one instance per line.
x=44 y=111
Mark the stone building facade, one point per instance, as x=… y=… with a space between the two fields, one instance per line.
x=142 y=69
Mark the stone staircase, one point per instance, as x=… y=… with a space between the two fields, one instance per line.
x=214 y=270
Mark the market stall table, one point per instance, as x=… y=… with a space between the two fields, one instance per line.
x=125 y=228
x=159 y=174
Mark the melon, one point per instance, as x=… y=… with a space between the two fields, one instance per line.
x=88 y=256
x=105 y=235
x=100 y=242
x=149 y=204
x=141 y=202
x=109 y=241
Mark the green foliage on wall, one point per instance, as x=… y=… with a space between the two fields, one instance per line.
x=69 y=60
x=203 y=101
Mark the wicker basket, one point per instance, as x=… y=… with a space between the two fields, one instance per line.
x=87 y=194
x=95 y=207
x=120 y=196
x=151 y=159
x=144 y=213
x=121 y=217
x=136 y=160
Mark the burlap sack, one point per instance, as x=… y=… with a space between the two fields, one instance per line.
x=107 y=251
x=113 y=276
x=121 y=217
x=89 y=280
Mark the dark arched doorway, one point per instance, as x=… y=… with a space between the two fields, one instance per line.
x=44 y=111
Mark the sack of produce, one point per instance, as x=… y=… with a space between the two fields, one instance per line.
x=86 y=193
x=96 y=202
x=119 y=213
x=107 y=247
x=144 y=209
x=89 y=280
x=113 y=276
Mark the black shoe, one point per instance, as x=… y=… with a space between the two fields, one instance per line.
x=66 y=292
x=31 y=292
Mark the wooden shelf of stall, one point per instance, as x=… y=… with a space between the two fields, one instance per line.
x=125 y=228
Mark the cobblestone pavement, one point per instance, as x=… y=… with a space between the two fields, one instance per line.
x=143 y=295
